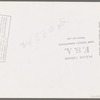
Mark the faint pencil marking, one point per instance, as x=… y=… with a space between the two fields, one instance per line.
x=45 y=33
x=62 y=21
x=51 y=29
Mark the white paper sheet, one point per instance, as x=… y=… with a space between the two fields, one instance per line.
x=50 y=49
